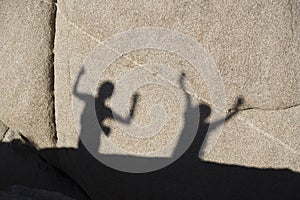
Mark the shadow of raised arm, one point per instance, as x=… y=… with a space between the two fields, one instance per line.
x=127 y=119
x=75 y=88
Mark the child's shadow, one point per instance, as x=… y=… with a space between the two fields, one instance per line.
x=90 y=133
x=103 y=112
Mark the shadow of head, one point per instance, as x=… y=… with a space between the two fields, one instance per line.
x=106 y=90
x=205 y=112
x=240 y=101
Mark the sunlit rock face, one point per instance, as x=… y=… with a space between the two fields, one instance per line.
x=255 y=47
x=26 y=78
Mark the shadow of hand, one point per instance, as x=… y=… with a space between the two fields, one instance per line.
x=134 y=102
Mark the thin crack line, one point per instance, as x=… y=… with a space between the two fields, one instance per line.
x=266 y=109
x=267 y=135
x=129 y=59
x=52 y=84
x=52 y=24
x=78 y=28
x=173 y=84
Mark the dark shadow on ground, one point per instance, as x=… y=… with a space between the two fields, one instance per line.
x=187 y=178
x=21 y=165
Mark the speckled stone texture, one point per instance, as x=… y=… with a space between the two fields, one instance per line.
x=256 y=48
x=260 y=138
x=3 y=130
x=254 y=44
x=26 y=80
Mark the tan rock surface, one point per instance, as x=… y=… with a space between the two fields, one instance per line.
x=257 y=138
x=26 y=69
x=78 y=50
x=254 y=44
x=255 y=47
x=3 y=130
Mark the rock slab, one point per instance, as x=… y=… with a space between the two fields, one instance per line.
x=26 y=79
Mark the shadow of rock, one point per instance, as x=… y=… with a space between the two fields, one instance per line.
x=22 y=165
